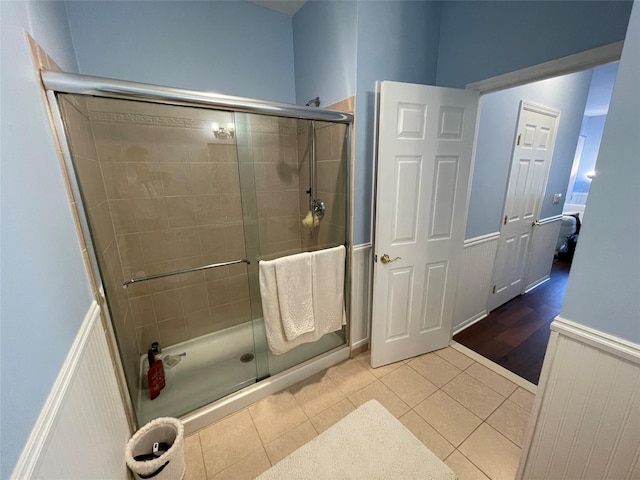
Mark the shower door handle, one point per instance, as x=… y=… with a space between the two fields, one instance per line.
x=386 y=259
x=186 y=270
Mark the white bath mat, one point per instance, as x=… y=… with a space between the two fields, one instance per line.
x=367 y=444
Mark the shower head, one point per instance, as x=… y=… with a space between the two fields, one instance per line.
x=314 y=101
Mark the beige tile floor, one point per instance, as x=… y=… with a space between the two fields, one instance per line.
x=469 y=416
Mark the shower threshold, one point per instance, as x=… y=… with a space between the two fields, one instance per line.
x=213 y=369
x=210 y=370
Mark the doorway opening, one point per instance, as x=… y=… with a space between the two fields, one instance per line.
x=515 y=334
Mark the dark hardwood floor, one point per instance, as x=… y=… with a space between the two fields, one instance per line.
x=515 y=335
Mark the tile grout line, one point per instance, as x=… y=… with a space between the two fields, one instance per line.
x=453 y=399
x=410 y=409
x=471 y=462
x=204 y=465
x=253 y=423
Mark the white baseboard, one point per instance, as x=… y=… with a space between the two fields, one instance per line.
x=359 y=344
x=82 y=430
x=545 y=279
x=470 y=321
x=586 y=414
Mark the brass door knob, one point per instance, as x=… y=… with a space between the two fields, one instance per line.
x=386 y=259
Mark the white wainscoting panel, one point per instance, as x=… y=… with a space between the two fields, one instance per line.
x=361 y=278
x=586 y=416
x=474 y=285
x=82 y=430
x=543 y=246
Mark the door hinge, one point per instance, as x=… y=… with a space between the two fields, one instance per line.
x=494 y=289
x=518 y=142
x=506 y=218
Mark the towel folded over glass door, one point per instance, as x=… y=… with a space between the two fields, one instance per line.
x=295 y=294
x=325 y=269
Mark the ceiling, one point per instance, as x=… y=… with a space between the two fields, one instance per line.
x=602 y=81
x=288 y=7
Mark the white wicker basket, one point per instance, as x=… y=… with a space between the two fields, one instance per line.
x=169 y=465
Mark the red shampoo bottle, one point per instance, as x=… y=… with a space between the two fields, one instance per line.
x=155 y=347
x=155 y=375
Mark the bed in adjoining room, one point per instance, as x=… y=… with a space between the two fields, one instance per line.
x=568 y=236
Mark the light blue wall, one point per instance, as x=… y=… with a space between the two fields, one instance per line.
x=397 y=40
x=482 y=39
x=334 y=57
x=343 y=48
x=592 y=129
x=324 y=44
x=494 y=148
x=234 y=48
x=604 y=286
x=44 y=286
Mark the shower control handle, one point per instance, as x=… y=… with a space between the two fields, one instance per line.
x=386 y=259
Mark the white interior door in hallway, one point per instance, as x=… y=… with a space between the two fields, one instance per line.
x=532 y=154
x=425 y=143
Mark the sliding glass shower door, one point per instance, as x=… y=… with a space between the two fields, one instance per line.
x=286 y=167
x=182 y=203
x=161 y=193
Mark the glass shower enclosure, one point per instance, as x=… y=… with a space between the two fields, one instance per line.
x=182 y=201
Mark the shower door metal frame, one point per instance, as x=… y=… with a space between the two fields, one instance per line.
x=61 y=82
x=107 y=87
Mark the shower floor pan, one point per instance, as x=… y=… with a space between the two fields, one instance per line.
x=213 y=369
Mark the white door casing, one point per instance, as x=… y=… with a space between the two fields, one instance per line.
x=532 y=153
x=425 y=143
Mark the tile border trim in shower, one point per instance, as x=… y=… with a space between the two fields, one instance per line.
x=132 y=118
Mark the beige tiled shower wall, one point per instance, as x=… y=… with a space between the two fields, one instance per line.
x=348 y=105
x=330 y=178
x=173 y=193
x=163 y=194
x=268 y=162
x=89 y=174
x=274 y=162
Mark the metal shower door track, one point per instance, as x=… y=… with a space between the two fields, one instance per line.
x=108 y=87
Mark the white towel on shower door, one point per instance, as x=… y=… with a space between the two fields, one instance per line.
x=276 y=338
x=326 y=282
x=293 y=279
x=328 y=288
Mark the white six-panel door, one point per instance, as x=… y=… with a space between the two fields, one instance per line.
x=532 y=154
x=425 y=142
